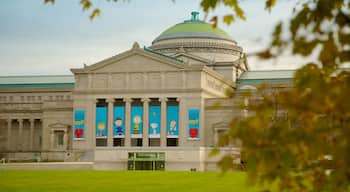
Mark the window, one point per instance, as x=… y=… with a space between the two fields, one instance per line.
x=154 y=142
x=59 y=138
x=101 y=122
x=172 y=122
x=101 y=142
x=118 y=142
x=136 y=142
x=219 y=131
x=172 y=142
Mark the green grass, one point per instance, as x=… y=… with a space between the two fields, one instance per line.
x=40 y=181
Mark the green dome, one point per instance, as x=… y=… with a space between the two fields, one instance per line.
x=193 y=28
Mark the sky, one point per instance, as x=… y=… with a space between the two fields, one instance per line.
x=45 y=39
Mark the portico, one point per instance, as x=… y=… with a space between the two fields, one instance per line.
x=23 y=134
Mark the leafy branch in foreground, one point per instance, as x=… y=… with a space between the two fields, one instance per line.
x=299 y=136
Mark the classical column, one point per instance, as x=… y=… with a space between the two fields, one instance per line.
x=20 y=134
x=9 y=128
x=180 y=125
x=145 y=121
x=52 y=139
x=65 y=140
x=110 y=122
x=127 y=121
x=92 y=131
x=163 y=117
x=31 y=134
x=41 y=126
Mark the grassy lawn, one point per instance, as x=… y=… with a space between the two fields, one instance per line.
x=40 y=181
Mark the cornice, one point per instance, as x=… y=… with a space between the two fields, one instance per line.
x=35 y=90
x=186 y=45
x=138 y=91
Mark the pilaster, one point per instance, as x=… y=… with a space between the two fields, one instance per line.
x=31 y=134
x=181 y=123
x=163 y=117
x=20 y=135
x=127 y=121
x=145 y=121
x=9 y=129
x=110 y=122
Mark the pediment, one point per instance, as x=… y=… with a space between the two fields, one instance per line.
x=135 y=60
x=58 y=125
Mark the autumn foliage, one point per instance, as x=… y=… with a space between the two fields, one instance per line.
x=299 y=137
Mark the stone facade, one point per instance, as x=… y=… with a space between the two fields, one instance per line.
x=190 y=74
x=30 y=117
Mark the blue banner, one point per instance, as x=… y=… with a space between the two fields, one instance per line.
x=101 y=122
x=154 y=121
x=136 y=121
x=118 y=122
x=193 y=124
x=172 y=121
x=79 y=125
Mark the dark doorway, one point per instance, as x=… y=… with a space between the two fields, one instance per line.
x=146 y=161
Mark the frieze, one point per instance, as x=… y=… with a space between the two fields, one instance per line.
x=20 y=107
x=99 y=81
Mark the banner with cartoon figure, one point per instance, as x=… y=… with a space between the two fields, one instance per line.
x=101 y=122
x=79 y=125
x=136 y=122
x=118 y=122
x=172 y=121
x=154 y=121
x=193 y=124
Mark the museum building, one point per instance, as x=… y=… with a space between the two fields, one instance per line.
x=148 y=108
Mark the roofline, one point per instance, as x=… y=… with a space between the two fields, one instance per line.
x=273 y=70
x=37 y=85
x=264 y=79
x=161 y=54
x=190 y=37
x=269 y=70
x=9 y=76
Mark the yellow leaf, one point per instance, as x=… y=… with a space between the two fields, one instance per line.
x=96 y=12
x=269 y=4
x=228 y=19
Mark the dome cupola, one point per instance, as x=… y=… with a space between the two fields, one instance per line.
x=199 y=43
x=193 y=28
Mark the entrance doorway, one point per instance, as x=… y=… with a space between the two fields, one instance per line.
x=146 y=161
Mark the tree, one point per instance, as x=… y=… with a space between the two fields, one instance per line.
x=309 y=148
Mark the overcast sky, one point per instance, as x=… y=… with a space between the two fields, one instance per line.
x=39 y=39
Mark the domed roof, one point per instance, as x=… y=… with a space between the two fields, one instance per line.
x=193 y=28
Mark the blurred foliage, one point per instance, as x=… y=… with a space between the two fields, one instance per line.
x=299 y=136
